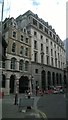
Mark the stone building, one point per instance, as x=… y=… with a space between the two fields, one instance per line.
x=48 y=57
x=3 y=46
x=17 y=66
x=35 y=54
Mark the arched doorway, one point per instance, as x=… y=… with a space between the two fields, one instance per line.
x=43 y=79
x=57 y=79
x=49 y=79
x=60 y=79
x=12 y=83
x=3 y=81
x=65 y=82
x=23 y=84
x=53 y=78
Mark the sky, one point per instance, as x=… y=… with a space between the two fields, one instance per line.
x=51 y=11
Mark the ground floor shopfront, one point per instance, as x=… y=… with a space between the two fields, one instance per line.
x=41 y=77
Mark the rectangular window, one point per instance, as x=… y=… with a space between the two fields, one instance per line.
x=41 y=47
x=52 y=61
x=54 y=45
x=57 y=39
x=47 y=59
x=58 y=55
x=59 y=64
x=51 y=44
x=55 y=54
x=42 y=59
x=26 y=51
x=35 y=56
x=46 y=40
x=50 y=33
x=35 y=33
x=47 y=50
x=51 y=52
x=35 y=44
x=34 y=22
x=26 y=40
x=55 y=62
x=21 y=50
x=53 y=36
x=46 y=30
x=36 y=70
x=41 y=37
x=14 y=34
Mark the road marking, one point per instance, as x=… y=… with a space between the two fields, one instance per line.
x=43 y=114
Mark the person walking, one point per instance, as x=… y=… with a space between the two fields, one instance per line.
x=16 y=99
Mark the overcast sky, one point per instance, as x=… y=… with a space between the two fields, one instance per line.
x=52 y=11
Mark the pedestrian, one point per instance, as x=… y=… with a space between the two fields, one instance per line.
x=16 y=99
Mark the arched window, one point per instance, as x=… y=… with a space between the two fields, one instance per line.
x=14 y=47
x=21 y=65
x=13 y=63
x=21 y=50
x=26 y=65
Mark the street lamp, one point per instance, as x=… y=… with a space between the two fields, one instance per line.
x=30 y=84
x=31 y=79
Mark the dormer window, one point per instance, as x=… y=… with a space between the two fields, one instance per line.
x=40 y=26
x=34 y=22
x=46 y=30
x=57 y=39
x=53 y=36
x=50 y=33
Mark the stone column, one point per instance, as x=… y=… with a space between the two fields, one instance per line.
x=46 y=81
x=8 y=64
x=7 y=91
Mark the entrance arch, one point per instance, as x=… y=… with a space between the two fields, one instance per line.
x=49 y=79
x=43 y=79
x=57 y=78
x=23 y=84
x=12 y=82
x=53 y=78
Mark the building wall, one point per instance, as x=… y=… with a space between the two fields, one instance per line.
x=59 y=46
x=8 y=72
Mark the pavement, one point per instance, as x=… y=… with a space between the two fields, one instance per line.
x=9 y=110
x=50 y=105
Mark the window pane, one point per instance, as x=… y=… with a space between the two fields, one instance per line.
x=13 y=47
x=14 y=34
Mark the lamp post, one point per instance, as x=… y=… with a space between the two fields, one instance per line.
x=31 y=79
x=30 y=84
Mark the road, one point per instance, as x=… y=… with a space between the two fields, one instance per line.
x=54 y=106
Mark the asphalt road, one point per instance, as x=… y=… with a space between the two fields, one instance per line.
x=54 y=106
